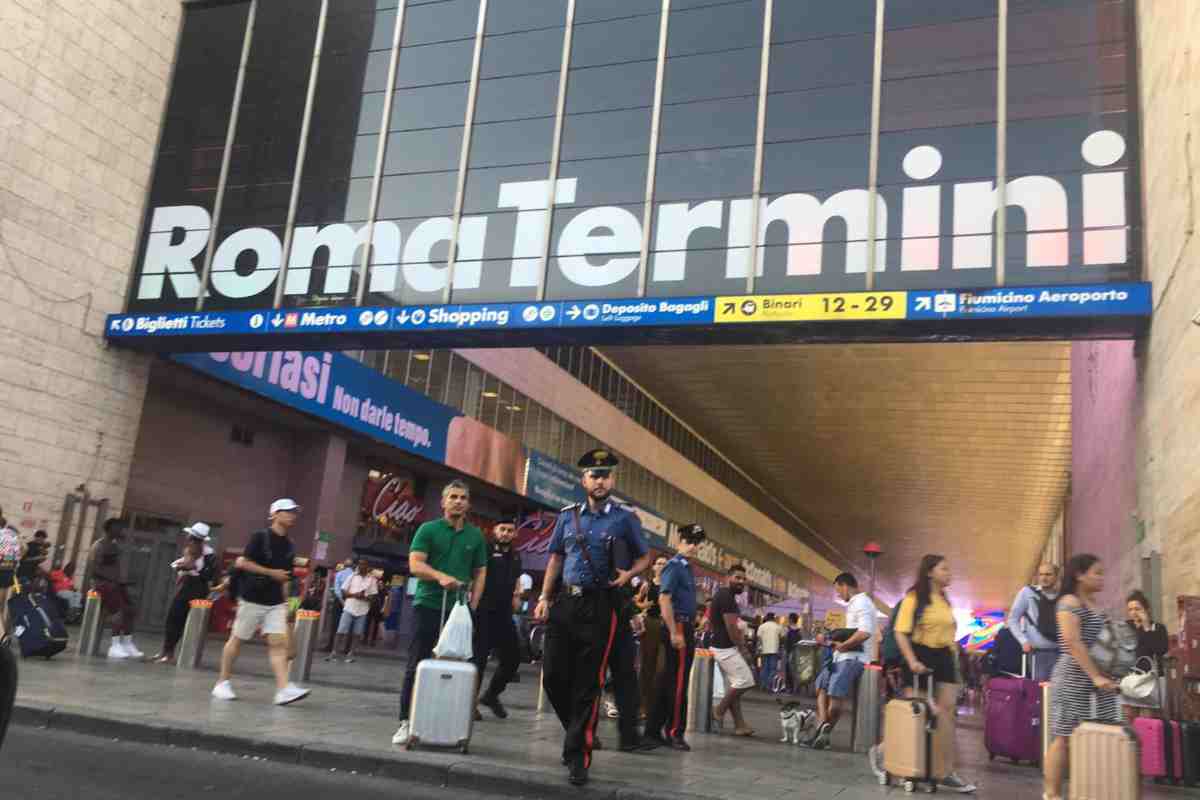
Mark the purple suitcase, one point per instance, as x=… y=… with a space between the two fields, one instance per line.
x=1013 y=719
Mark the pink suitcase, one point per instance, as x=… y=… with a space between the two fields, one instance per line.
x=1161 y=746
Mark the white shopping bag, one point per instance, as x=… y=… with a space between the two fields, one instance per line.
x=455 y=641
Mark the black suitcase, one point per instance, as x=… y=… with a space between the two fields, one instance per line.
x=1190 y=733
x=8 y=686
x=39 y=632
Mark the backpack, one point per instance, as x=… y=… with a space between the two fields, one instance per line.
x=1047 y=620
x=889 y=651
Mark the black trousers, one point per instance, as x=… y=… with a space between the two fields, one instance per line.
x=177 y=614
x=495 y=630
x=579 y=641
x=625 y=682
x=669 y=717
x=427 y=628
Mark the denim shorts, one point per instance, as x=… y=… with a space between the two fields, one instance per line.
x=838 y=678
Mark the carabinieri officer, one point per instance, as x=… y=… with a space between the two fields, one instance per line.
x=583 y=618
x=677 y=599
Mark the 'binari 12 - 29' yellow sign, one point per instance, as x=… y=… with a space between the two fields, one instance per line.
x=812 y=307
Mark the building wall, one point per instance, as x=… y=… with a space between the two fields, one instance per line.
x=187 y=467
x=82 y=88
x=1103 y=463
x=1168 y=422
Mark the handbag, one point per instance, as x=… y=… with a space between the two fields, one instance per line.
x=1140 y=684
x=1115 y=649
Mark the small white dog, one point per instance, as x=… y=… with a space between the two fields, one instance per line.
x=794 y=720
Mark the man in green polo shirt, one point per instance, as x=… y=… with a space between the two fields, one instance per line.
x=444 y=556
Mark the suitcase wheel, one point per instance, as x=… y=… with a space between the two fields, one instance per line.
x=909 y=787
x=464 y=748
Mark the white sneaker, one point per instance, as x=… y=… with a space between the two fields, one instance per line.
x=224 y=691
x=290 y=694
x=875 y=759
x=116 y=650
x=131 y=648
x=956 y=784
x=401 y=735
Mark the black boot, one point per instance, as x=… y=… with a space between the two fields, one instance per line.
x=494 y=704
x=577 y=773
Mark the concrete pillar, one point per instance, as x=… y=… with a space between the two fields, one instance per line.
x=315 y=482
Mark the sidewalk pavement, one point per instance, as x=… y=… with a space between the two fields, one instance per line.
x=348 y=721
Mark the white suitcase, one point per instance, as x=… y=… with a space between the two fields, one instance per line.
x=443 y=704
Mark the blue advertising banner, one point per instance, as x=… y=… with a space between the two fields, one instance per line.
x=1132 y=299
x=340 y=390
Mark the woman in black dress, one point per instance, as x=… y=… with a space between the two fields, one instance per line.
x=652 y=635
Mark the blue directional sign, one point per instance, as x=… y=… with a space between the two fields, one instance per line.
x=1042 y=301
x=1095 y=300
x=635 y=312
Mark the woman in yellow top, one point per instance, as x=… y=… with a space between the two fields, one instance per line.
x=925 y=634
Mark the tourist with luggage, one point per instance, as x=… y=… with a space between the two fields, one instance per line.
x=1033 y=622
x=446 y=555
x=925 y=633
x=1079 y=691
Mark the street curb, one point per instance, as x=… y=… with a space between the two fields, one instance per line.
x=429 y=767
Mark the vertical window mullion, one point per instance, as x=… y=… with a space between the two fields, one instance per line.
x=465 y=152
x=873 y=148
x=380 y=155
x=753 y=264
x=1001 y=253
x=652 y=162
x=556 y=149
x=226 y=158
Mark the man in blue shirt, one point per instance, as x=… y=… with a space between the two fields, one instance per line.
x=584 y=618
x=677 y=599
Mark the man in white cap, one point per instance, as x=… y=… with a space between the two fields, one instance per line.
x=265 y=568
x=195 y=573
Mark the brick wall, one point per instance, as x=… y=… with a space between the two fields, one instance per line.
x=82 y=88
x=1169 y=416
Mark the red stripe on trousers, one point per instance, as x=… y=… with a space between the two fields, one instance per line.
x=676 y=731
x=589 y=732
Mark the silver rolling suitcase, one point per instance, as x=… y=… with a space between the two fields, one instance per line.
x=443 y=703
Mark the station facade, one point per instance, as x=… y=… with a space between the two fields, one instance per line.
x=227 y=157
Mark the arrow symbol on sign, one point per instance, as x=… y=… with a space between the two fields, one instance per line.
x=924 y=304
x=573 y=312
x=402 y=317
x=276 y=320
x=728 y=308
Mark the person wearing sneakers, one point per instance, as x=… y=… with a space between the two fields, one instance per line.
x=357 y=592
x=266 y=568
x=677 y=601
x=195 y=574
x=109 y=582
x=731 y=651
x=838 y=680
x=446 y=555
x=494 y=626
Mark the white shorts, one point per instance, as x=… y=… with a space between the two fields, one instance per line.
x=252 y=616
x=734 y=668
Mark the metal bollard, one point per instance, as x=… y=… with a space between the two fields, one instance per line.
x=868 y=706
x=304 y=639
x=195 y=634
x=700 y=693
x=89 y=629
